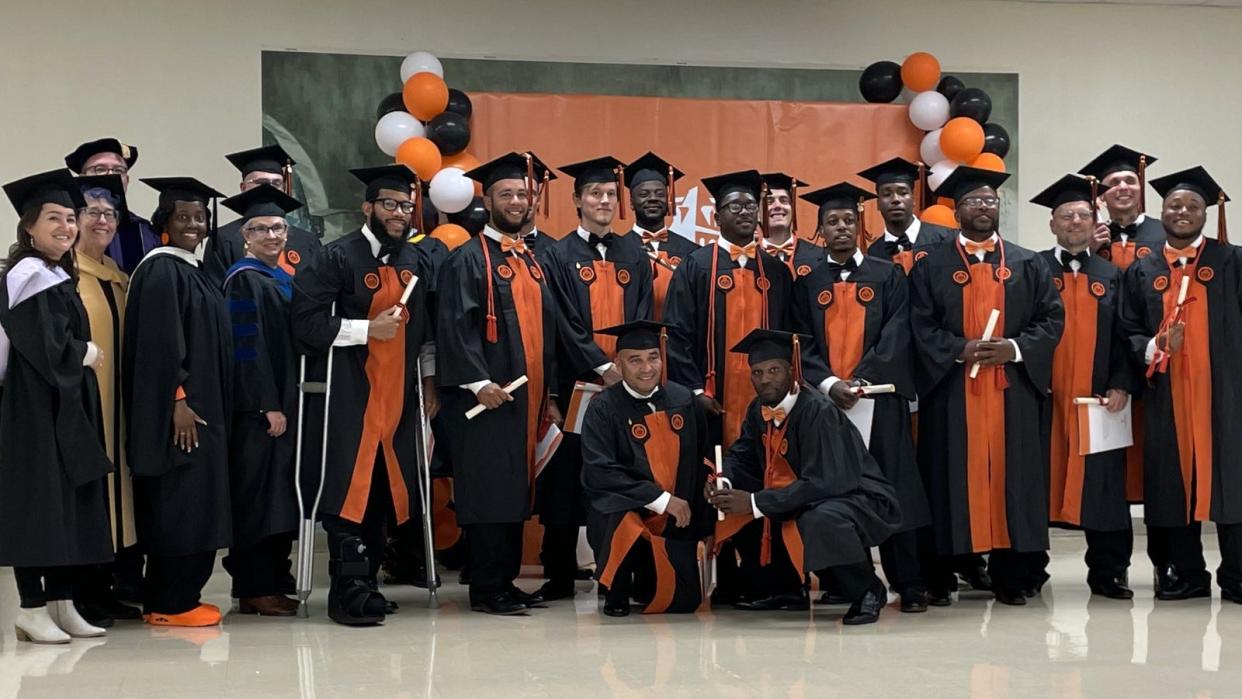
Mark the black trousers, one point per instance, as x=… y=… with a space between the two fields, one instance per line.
x=899 y=556
x=38 y=586
x=259 y=570
x=1183 y=548
x=633 y=574
x=1015 y=571
x=559 y=553
x=850 y=581
x=757 y=581
x=174 y=584
x=939 y=572
x=1108 y=553
x=495 y=557
x=128 y=572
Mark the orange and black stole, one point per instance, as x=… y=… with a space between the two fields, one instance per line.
x=777 y=473
x=983 y=289
x=845 y=317
x=1190 y=382
x=1122 y=255
x=1072 y=366
x=606 y=289
x=526 y=286
x=385 y=370
x=661 y=275
x=658 y=436
x=744 y=293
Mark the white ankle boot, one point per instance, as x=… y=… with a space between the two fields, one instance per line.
x=36 y=626
x=67 y=618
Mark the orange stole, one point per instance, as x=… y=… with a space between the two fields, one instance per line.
x=743 y=313
x=607 y=304
x=1123 y=254
x=905 y=258
x=385 y=369
x=844 y=323
x=1190 y=378
x=1072 y=366
x=663 y=451
x=528 y=303
x=660 y=278
x=985 y=416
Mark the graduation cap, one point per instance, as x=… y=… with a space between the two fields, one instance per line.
x=721 y=186
x=264 y=200
x=650 y=167
x=1197 y=180
x=516 y=166
x=966 y=179
x=77 y=159
x=842 y=195
x=395 y=177
x=643 y=335
x=598 y=171
x=52 y=187
x=272 y=159
x=778 y=180
x=762 y=344
x=113 y=190
x=1070 y=188
x=900 y=171
x=1118 y=158
x=175 y=189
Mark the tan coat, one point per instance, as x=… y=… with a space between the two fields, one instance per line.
x=106 y=321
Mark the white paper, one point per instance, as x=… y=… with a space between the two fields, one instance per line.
x=1107 y=431
x=861 y=415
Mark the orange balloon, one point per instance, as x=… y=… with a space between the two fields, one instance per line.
x=940 y=215
x=463 y=160
x=962 y=139
x=947 y=202
x=989 y=161
x=920 y=72
x=451 y=235
x=425 y=95
x=421 y=156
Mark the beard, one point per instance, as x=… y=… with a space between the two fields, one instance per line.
x=500 y=223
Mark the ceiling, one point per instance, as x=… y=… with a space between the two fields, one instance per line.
x=1199 y=3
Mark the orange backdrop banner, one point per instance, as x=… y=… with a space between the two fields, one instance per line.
x=817 y=142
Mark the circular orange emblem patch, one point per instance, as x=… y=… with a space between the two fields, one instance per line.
x=406 y=276
x=920 y=255
x=586 y=274
x=293 y=257
x=674 y=261
x=1142 y=252
x=784 y=446
x=725 y=282
x=1059 y=283
x=677 y=421
x=371 y=280
x=1160 y=283
x=1003 y=273
x=1097 y=290
x=961 y=277
x=639 y=431
x=824 y=298
x=505 y=271
x=803 y=270
x=763 y=283
x=1205 y=274
x=536 y=274
x=866 y=294
x=623 y=276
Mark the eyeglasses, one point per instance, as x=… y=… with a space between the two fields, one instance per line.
x=981 y=201
x=106 y=170
x=734 y=207
x=276 y=182
x=276 y=229
x=108 y=215
x=1069 y=216
x=406 y=207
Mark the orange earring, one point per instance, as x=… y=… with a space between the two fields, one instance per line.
x=164 y=238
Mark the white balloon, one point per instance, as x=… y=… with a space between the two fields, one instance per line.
x=394 y=128
x=420 y=62
x=929 y=110
x=451 y=190
x=930 y=151
x=940 y=172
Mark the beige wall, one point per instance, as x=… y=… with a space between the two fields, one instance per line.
x=181 y=79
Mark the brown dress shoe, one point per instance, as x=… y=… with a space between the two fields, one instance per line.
x=268 y=605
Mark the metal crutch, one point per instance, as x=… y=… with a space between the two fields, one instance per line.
x=306 y=532
x=425 y=494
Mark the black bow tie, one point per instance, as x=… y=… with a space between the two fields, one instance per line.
x=1067 y=258
x=837 y=268
x=605 y=239
x=899 y=245
x=1116 y=230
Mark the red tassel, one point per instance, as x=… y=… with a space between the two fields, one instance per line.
x=492 y=335
x=620 y=173
x=543 y=193
x=921 y=190
x=1222 y=230
x=862 y=224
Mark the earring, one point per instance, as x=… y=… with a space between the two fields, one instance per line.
x=246 y=246
x=164 y=238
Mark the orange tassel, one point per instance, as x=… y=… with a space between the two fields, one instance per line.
x=620 y=173
x=418 y=206
x=765 y=549
x=1222 y=230
x=1142 y=174
x=763 y=209
x=1095 y=194
x=287 y=172
x=672 y=193
x=493 y=335
x=793 y=205
x=663 y=356
x=921 y=190
x=797 y=364
x=543 y=193
x=530 y=179
x=862 y=225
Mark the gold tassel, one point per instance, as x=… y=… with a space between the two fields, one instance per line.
x=1222 y=230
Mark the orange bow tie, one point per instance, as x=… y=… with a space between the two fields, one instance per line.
x=658 y=237
x=515 y=245
x=739 y=251
x=1172 y=255
x=785 y=248
x=973 y=248
x=770 y=414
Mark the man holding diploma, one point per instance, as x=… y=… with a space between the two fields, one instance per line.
x=1183 y=322
x=1088 y=492
x=857 y=310
x=979 y=437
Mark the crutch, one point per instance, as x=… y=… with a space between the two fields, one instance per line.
x=425 y=495
x=306 y=532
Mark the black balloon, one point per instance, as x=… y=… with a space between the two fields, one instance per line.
x=473 y=218
x=995 y=139
x=391 y=103
x=450 y=132
x=971 y=102
x=949 y=87
x=459 y=103
x=880 y=82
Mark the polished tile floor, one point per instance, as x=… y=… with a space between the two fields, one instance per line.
x=1066 y=646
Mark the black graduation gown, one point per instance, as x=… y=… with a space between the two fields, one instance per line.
x=373 y=420
x=1142 y=239
x=265 y=379
x=621 y=436
x=838 y=498
x=930 y=235
x=670 y=252
x=887 y=357
x=1033 y=316
x=177 y=334
x=228 y=246
x=1086 y=491
x=53 y=466
x=492 y=479
x=686 y=311
x=435 y=251
x=1219 y=272
x=576 y=274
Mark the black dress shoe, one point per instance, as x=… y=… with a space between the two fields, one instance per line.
x=1232 y=594
x=940 y=598
x=789 y=603
x=500 y=604
x=867 y=609
x=617 y=610
x=1013 y=598
x=531 y=600
x=557 y=589
x=1185 y=589
x=1112 y=588
x=831 y=597
x=914 y=602
x=978 y=578
x=1162 y=578
x=95 y=614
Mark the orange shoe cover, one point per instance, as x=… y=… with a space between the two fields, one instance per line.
x=202 y=615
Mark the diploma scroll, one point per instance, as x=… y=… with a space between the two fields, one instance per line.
x=987 y=337
x=513 y=386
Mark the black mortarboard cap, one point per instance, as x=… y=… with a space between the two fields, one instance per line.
x=890 y=171
x=1117 y=159
x=264 y=200
x=395 y=177
x=271 y=159
x=1196 y=180
x=77 y=159
x=842 y=195
x=510 y=166
x=721 y=186
x=1068 y=189
x=114 y=187
x=173 y=189
x=52 y=187
x=761 y=345
x=780 y=180
x=650 y=167
x=596 y=170
x=966 y=179
x=637 y=335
